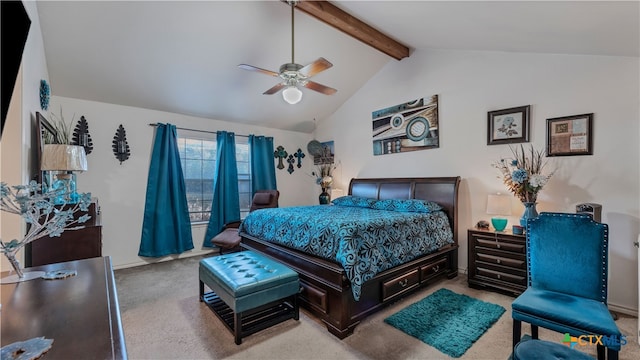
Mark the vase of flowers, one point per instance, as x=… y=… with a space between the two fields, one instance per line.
x=324 y=178
x=524 y=176
x=44 y=219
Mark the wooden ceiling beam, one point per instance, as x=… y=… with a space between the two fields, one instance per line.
x=339 y=19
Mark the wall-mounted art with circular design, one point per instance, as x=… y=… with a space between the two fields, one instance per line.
x=409 y=126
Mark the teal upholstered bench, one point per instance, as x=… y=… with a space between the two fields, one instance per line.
x=250 y=292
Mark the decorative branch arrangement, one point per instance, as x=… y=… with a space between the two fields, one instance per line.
x=82 y=137
x=38 y=210
x=120 y=146
x=63 y=130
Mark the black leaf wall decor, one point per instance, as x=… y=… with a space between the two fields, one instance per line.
x=120 y=146
x=82 y=137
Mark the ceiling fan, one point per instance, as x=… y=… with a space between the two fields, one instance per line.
x=294 y=75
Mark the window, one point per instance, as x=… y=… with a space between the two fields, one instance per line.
x=198 y=160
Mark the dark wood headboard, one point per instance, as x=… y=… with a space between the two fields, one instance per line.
x=442 y=190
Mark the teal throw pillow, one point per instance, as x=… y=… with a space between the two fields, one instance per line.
x=353 y=201
x=407 y=205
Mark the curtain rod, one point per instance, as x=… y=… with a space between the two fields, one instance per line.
x=202 y=131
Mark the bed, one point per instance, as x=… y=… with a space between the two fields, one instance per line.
x=328 y=291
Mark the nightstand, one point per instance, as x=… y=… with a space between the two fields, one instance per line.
x=497 y=261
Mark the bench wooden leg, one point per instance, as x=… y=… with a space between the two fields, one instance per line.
x=296 y=307
x=237 y=327
x=201 y=291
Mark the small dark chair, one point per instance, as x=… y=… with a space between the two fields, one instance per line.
x=567 y=258
x=228 y=238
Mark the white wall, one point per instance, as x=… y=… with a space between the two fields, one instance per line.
x=121 y=189
x=34 y=69
x=470 y=84
x=18 y=158
x=11 y=225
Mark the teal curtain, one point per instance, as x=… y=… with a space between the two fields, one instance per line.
x=263 y=169
x=166 y=227
x=226 y=205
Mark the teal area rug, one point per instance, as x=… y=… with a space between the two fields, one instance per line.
x=448 y=321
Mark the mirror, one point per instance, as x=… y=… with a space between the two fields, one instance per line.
x=46 y=134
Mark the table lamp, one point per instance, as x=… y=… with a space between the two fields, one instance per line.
x=499 y=205
x=336 y=193
x=60 y=161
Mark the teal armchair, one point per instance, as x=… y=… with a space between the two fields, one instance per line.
x=567 y=263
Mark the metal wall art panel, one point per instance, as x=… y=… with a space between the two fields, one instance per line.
x=406 y=127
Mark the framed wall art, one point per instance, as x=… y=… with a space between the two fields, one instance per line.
x=326 y=155
x=508 y=126
x=570 y=135
x=406 y=127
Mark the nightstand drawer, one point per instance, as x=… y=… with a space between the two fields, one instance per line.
x=500 y=244
x=497 y=275
x=500 y=260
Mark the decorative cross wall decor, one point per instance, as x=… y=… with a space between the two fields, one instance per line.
x=300 y=155
x=280 y=154
x=291 y=161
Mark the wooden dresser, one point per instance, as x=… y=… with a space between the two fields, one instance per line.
x=497 y=261
x=71 y=244
x=80 y=313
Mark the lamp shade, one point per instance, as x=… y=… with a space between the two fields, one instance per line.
x=336 y=193
x=498 y=204
x=60 y=157
x=292 y=94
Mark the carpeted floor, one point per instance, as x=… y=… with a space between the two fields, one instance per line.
x=163 y=319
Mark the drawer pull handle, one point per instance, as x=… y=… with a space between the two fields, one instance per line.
x=404 y=282
x=436 y=268
x=498 y=246
x=498 y=261
x=499 y=276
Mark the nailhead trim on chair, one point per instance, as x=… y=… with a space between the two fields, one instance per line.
x=603 y=292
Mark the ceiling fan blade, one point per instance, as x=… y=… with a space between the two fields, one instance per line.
x=320 y=88
x=274 y=89
x=315 y=67
x=253 y=68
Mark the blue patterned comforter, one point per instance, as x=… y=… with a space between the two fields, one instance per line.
x=365 y=241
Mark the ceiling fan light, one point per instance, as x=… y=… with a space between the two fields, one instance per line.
x=292 y=95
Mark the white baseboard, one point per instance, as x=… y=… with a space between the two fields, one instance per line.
x=167 y=258
x=623 y=310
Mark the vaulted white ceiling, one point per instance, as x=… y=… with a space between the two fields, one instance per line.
x=182 y=57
